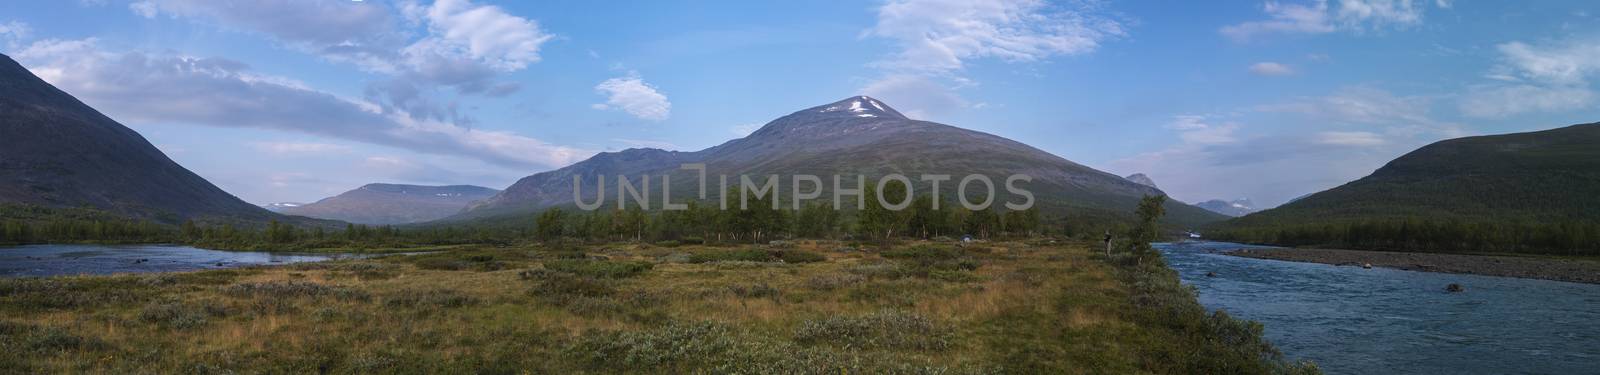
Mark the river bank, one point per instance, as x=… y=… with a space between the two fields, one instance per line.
x=1578 y=271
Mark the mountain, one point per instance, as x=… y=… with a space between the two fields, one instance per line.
x=1550 y=175
x=857 y=135
x=56 y=151
x=382 y=204
x=280 y=206
x=1140 y=178
x=1236 y=208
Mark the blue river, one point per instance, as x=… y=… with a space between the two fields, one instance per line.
x=1351 y=320
x=53 y=260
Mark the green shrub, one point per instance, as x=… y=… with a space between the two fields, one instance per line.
x=444 y=298
x=955 y=276
x=467 y=260
x=758 y=290
x=887 y=329
x=924 y=252
x=834 y=281
x=293 y=289
x=757 y=255
x=599 y=268
x=797 y=256
x=178 y=315
x=28 y=338
x=61 y=293
x=560 y=288
x=881 y=270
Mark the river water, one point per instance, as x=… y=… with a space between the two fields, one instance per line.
x=1384 y=321
x=52 y=260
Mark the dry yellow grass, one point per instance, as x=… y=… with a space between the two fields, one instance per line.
x=475 y=310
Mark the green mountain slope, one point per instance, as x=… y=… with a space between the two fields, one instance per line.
x=1512 y=192
x=57 y=153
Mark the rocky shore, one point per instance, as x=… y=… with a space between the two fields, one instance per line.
x=1579 y=271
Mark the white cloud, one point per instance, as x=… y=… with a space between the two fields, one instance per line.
x=631 y=94
x=916 y=96
x=1317 y=17
x=144 y=88
x=646 y=143
x=1290 y=18
x=481 y=32
x=1269 y=68
x=938 y=35
x=1569 y=63
x=451 y=43
x=1360 y=105
x=300 y=148
x=1195 y=129
x=13 y=32
x=1350 y=138
x=1552 y=77
x=288 y=179
x=1502 y=101
x=936 y=39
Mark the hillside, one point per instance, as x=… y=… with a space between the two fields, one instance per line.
x=57 y=152
x=857 y=135
x=1508 y=192
x=381 y=204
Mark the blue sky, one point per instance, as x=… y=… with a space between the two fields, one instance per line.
x=295 y=100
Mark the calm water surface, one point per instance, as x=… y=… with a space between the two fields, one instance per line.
x=51 y=260
x=1383 y=321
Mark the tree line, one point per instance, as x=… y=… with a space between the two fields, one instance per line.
x=1568 y=237
x=758 y=218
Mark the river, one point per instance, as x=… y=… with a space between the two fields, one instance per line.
x=52 y=260
x=1352 y=320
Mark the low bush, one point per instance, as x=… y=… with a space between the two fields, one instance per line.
x=758 y=290
x=924 y=252
x=889 y=329
x=180 y=316
x=64 y=293
x=293 y=289
x=29 y=338
x=599 y=268
x=442 y=298
x=466 y=260
x=758 y=255
x=834 y=281
x=560 y=288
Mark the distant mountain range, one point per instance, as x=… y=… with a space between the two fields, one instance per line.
x=381 y=204
x=56 y=151
x=1140 y=178
x=1235 y=208
x=1538 y=177
x=857 y=135
x=280 y=206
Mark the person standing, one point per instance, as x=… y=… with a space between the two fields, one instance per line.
x=1108 y=244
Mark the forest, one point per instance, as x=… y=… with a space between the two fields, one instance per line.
x=701 y=222
x=1572 y=238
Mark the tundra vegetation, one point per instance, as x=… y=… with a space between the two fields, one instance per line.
x=1024 y=306
x=569 y=302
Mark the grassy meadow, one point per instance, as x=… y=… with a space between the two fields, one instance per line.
x=803 y=307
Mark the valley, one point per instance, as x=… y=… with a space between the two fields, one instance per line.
x=790 y=307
